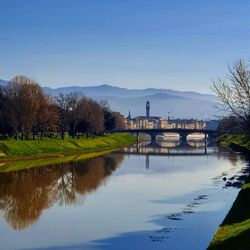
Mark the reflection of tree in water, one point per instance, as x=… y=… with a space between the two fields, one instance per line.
x=25 y=194
x=228 y=154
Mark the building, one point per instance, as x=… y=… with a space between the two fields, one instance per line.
x=147 y=109
x=150 y=122
x=189 y=124
x=166 y=124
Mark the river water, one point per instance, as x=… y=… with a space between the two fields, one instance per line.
x=161 y=196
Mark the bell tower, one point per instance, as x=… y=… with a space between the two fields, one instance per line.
x=129 y=115
x=147 y=109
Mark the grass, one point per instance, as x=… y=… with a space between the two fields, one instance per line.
x=240 y=140
x=234 y=232
x=26 y=164
x=12 y=149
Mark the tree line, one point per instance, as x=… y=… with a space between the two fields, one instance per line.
x=26 y=111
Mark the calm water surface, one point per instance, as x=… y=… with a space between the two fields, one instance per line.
x=149 y=197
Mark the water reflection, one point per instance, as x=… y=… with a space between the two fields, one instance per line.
x=25 y=194
x=190 y=148
x=160 y=198
x=171 y=148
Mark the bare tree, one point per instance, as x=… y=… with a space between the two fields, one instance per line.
x=23 y=94
x=90 y=116
x=62 y=102
x=47 y=116
x=119 y=120
x=5 y=118
x=74 y=112
x=233 y=93
x=112 y=120
x=68 y=112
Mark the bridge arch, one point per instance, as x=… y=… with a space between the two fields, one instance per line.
x=196 y=136
x=173 y=136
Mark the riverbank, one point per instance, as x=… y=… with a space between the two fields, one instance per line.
x=16 y=165
x=236 y=142
x=12 y=150
x=234 y=232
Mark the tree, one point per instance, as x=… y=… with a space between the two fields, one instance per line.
x=230 y=124
x=119 y=120
x=69 y=112
x=74 y=99
x=47 y=116
x=109 y=122
x=90 y=116
x=233 y=93
x=25 y=111
x=23 y=96
x=5 y=122
x=63 y=106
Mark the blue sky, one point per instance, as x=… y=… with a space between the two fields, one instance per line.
x=129 y=43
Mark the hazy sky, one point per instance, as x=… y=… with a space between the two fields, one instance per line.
x=180 y=44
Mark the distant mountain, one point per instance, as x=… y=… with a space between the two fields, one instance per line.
x=108 y=90
x=161 y=104
x=180 y=104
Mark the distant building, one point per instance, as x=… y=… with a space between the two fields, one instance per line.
x=189 y=124
x=166 y=124
x=147 y=109
x=129 y=115
x=150 y=122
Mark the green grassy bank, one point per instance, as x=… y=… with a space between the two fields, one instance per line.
x=13 y=150
x=234 y=232
x=26 y=164
x=240 y=140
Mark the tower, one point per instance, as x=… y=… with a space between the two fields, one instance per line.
x=147 y=109
x=129 y=115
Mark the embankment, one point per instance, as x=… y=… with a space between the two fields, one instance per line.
x=234 y=232
x=12 y=150
x=237 y=142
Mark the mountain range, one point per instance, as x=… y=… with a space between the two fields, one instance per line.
x=180 y=104
x=164 y=102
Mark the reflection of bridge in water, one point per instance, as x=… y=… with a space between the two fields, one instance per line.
x=169 y=148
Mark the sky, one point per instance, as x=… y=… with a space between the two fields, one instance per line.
x=179 y=44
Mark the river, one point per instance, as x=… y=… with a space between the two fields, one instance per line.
x=168 y=195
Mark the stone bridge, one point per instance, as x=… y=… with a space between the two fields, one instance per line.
x=159 y=131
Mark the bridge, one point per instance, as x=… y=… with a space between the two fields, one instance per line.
x=159 y=131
